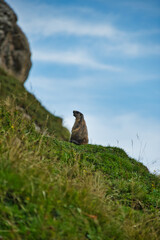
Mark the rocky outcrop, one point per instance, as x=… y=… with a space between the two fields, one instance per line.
x=14 y=47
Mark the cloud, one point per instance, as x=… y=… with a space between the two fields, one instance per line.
x=118 y=41
x=81 y=22
x=132 y=49
x=50 y=26
x=48 y=20
x=78 y=58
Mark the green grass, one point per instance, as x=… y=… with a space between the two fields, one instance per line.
x=11 y=87
x=52 y=189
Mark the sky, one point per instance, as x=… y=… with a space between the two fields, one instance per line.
x=102 y=58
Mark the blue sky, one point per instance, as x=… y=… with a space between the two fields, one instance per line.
x=100 y=57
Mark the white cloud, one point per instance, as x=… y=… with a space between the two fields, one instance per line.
x=49 y=20
x=133 y=49
x=124 y=43
x=50 y=26
x=79 y=58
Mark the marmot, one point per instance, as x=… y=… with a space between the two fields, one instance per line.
x=79 y=133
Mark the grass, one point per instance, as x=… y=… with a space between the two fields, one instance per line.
x=52 y=189
x=11 y=87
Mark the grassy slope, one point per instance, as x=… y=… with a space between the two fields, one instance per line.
x=9 y=86
x=51 y=189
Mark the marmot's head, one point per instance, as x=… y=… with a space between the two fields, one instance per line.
x=77 y=114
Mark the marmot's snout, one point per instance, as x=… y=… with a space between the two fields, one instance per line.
x=76 y=113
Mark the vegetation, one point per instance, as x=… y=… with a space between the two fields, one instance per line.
x=52 y=189
x=9 y=86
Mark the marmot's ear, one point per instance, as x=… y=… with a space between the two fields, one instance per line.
x=82 y=115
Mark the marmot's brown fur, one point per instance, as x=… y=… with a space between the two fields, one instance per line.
x=79 y=133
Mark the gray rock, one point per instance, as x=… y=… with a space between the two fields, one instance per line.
x=15 y=55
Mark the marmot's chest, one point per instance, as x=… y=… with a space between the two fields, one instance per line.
x=78 y=123
x=79 y=132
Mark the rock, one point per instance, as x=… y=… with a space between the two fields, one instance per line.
x=15 y=55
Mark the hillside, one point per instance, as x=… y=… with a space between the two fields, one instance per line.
x=52 y=189
x=11 y=87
